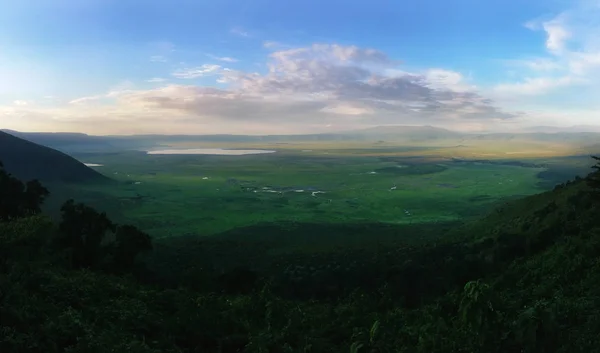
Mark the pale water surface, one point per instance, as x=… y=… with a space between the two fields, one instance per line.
x=218 y=151
x=93 y=165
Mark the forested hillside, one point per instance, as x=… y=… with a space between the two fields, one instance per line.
x=526 y=278
x=28 y=160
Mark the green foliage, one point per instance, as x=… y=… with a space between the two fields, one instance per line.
x=85 y=234
x=593 y=179
x=82 y=231
x=536 y=327
x=356 y=347
x=523 y=279
x=129 y=243
x=18 y=199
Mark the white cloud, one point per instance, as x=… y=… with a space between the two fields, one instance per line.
x=347 y=109
x=85 y=100
x=21 y=102
x=161 y=51
x=158 y=59
x=196 y=72
x=532 y=25
x=543 y=65
x=303 y=89
x=319 y=83
x=445 y=79
x=583 y=63
x=558 y=35
x=120 y=89
x=238 y=31
x=536 y=65
x=156 y=80
x=163 y=47
x=573 y=48
x=539 y=85
x=269 y=44
x=335 y=53
x=223 y=58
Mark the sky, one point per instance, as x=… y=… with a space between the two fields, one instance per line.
x=297 y=66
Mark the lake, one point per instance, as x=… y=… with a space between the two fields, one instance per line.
x=217 y=151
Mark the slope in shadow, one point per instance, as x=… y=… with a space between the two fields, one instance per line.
x=27 y=160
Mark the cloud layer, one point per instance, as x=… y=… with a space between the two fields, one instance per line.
x=306 y=88
x=573 y=53
x=328 y=86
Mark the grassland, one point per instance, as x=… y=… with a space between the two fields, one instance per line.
x=325 y=183
x=471 y=147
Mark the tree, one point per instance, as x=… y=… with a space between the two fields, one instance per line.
x=536 y=328
x=17 y=199
x=477 y=310
x=593 y=180
x=82 y=231
x=129 y=243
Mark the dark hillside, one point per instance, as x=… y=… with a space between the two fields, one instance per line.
x=27 y=160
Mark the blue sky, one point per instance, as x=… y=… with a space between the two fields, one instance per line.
x=264 y=66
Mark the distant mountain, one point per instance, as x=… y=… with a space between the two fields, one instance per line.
x=369 y=134
x=570 y=129
x=27 y=160
x=580 y=138
x=59 y=138
x=405 y=129
x=73 y=143
x=396 y=132
x=76 y=143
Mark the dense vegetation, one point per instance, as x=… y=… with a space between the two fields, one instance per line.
x=523 y=279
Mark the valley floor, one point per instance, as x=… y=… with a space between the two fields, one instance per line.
x=171 y=195
x=396 y=249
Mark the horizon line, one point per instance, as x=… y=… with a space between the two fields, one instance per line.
x=526 y=130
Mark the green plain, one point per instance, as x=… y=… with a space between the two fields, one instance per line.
x=172 y=195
